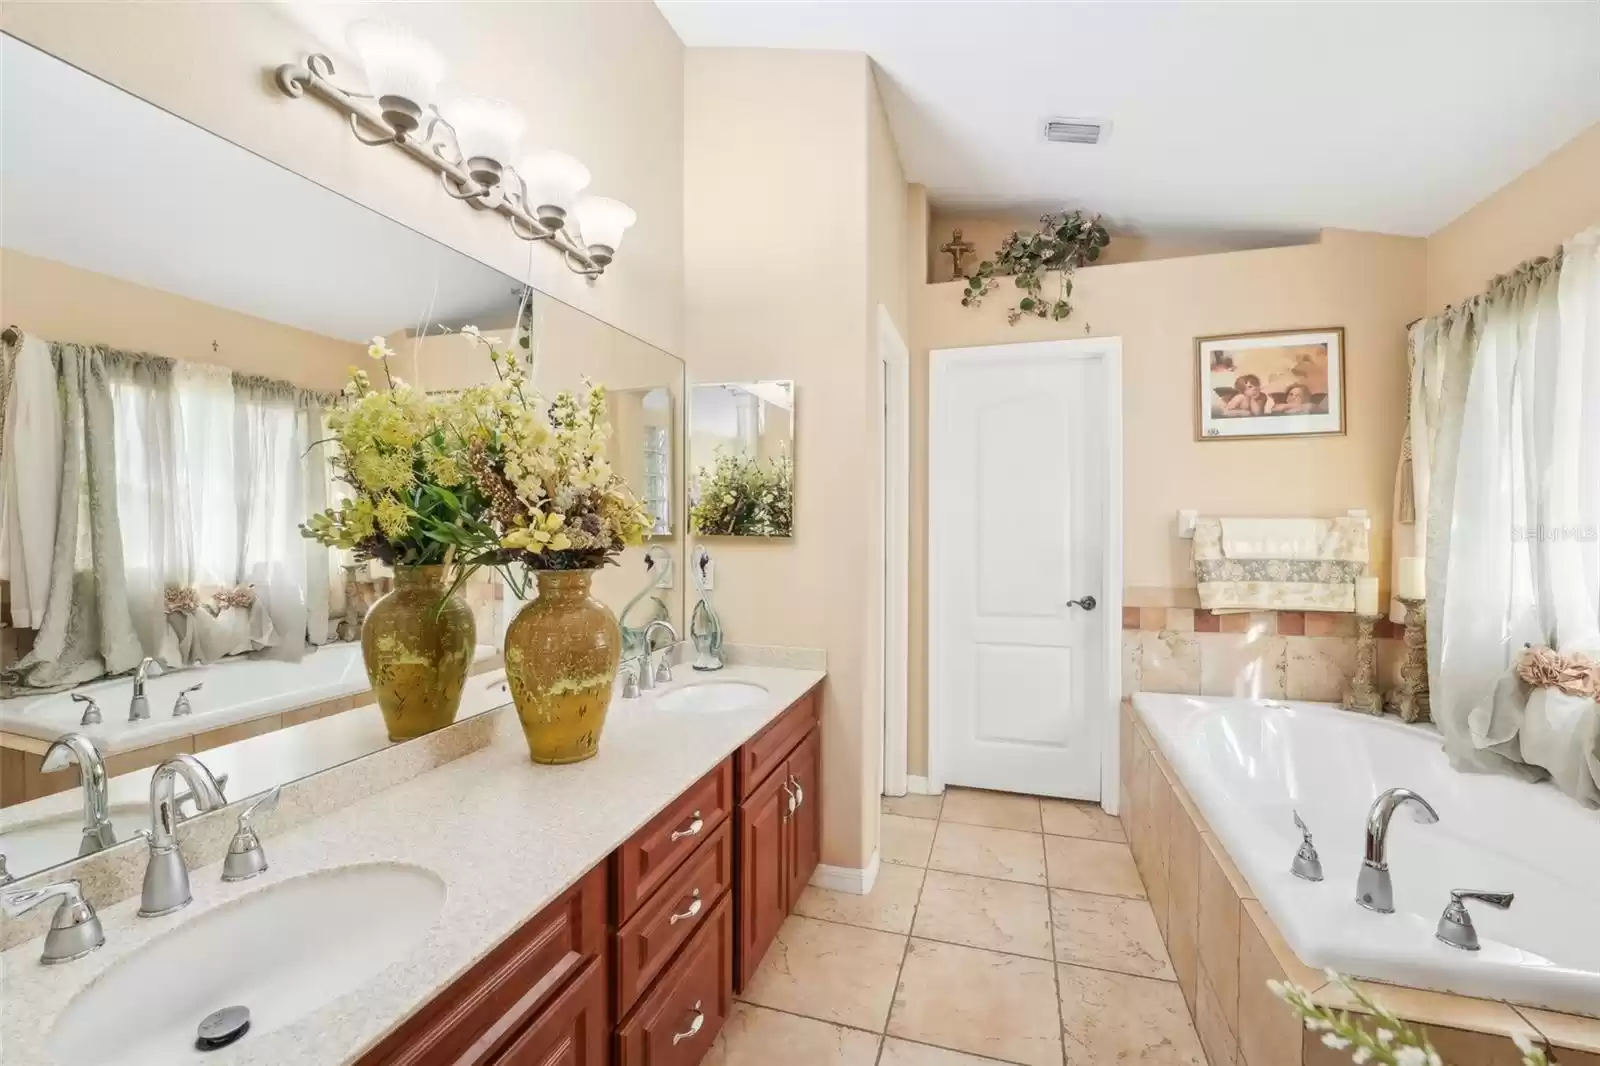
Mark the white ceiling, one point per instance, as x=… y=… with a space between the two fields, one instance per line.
x=1225 y=117
x=96 y=178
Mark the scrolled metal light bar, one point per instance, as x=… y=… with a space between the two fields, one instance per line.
x=316 y=76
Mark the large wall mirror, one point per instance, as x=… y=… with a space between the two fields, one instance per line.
x=209 y=305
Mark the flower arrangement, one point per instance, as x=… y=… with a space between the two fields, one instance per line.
x=1392 y=1043
x=741 y=496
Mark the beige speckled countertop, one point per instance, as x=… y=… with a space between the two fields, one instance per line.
x=506 y=836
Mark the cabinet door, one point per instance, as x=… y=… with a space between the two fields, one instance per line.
x=762 y=879
x=677 y=1022
x=804 y=844
x=574 y=1031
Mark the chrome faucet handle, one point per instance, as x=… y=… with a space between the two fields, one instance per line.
x=630 y=683
x=245 y=857
x=91 y=710
x=1455 y=924
x=74 y=931
x=664 y=668
x=182 y=707
x=1307 y=864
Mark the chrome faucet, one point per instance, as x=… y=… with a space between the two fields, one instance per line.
x=650 y=677
x=1455 y=924
x=1374 y=890
x=166 y=878
x=75 y=929
x=77 y=748
x=139 y=709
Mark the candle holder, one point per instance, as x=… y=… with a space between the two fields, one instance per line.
x=1413 y=703
x=1362 y=695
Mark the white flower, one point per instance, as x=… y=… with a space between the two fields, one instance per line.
x=378 y=349
x=1363 y=1055
x=470 y=331
x=1335 y=1041
x=1410 y=1056
x=1385 y=1037
x=1524 y=1045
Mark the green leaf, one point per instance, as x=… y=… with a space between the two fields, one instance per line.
x=1027 y=303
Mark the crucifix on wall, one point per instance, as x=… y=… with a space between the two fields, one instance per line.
x=955 y=249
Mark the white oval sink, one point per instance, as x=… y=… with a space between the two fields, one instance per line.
x=282 y=952
x=712 y=697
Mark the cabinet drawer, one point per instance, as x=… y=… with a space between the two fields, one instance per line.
x=655 y=852
x=647 y=943
x=767 y=750
x=574 y=1031
x=678 y=1020
x=472 y=1020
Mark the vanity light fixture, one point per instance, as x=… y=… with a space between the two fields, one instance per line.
x=470 y=142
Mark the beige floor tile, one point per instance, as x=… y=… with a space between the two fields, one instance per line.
x=889 y=906
x=905 y=1053
x=1004 y=853
x=1115 y=1018
x=1065 y=818
x=905 y=841
x=981 y=912
x=1092 y=866
x=756 y=1037
x=837 y=973
x=912 y=805
x=1000 y=1006
x=997 y=810
x=1110 y=933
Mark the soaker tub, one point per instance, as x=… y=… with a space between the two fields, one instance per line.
x=1249 y=765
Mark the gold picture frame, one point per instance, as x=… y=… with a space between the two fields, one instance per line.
x=1270 y=384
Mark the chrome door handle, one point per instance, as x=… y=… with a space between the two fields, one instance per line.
x=799 y=793
x=692 y=910
x=694 y=1026
x=1088 y=603
x=690 y=830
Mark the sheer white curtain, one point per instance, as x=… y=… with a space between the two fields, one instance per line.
x=1506 y=439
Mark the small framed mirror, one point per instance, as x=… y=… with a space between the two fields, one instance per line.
x=741 y=459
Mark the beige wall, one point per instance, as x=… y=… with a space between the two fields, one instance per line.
x=776 y=263
x=1529 y=217
x=603 y=81
x=62 y=303
x=1371 y=285
x=985 y=231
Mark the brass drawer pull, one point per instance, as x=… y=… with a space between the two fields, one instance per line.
x=694 y=1026
x=685 y=915
x=690 y=830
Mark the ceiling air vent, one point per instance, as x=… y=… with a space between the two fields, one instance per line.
x=1074 y=130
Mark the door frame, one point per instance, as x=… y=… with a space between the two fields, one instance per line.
x=895 y=361
x=1103 y=704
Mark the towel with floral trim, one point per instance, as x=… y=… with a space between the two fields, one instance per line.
x=1321 y=577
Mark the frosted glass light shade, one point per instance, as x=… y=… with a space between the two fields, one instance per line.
x=553 y=180
x=487 y=132
x=403 y=71
x=602 y=222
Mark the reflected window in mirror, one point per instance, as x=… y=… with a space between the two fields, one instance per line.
x=741 y=457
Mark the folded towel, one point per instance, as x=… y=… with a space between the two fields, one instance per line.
x=1273 y=538
x=1313 y=566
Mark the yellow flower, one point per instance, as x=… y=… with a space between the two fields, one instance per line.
x=378 y=349
x=393 y=517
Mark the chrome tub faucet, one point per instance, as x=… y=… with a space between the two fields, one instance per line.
x=139 y=707
x=1374 y=888
x=166 y=878
x=70 y=748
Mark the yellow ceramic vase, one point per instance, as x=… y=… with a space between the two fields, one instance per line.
x=417 y=652
x=562 y=651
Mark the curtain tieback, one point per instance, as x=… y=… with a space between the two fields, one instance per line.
x=1575 y=675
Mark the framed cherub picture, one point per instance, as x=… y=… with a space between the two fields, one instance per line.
x=1275 y=384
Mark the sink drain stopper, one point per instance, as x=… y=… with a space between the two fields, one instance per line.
x=221 y=1028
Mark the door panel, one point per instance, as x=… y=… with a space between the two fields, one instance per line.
x=1018 y=519
x=762 y=881
x=805 y=824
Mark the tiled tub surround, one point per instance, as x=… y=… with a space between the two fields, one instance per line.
x=507 y=838
x=1297 y=655
x=1225 y=946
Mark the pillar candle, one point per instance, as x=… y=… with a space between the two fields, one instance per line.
x=1411 y=583
x=1367 y=596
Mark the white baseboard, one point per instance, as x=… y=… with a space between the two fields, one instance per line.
x=856 y=881
x=920 y=786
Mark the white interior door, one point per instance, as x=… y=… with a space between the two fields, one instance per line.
x=1017 y=530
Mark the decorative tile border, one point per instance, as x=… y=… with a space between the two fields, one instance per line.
x=1266 y=623
x=1224 y=947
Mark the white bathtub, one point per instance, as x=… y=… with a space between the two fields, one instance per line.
x=1248 y=764
x=236 y=690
